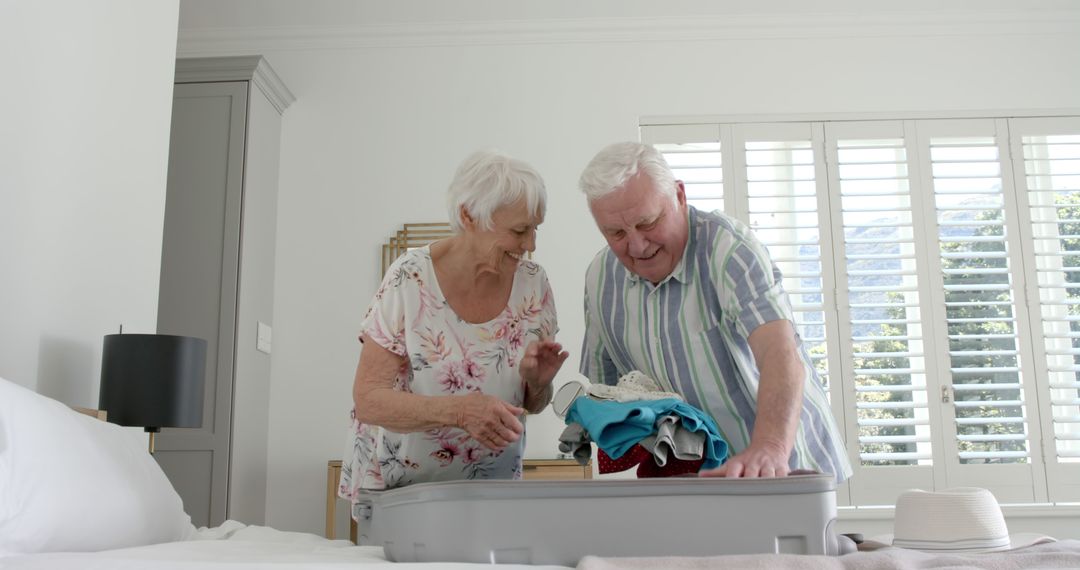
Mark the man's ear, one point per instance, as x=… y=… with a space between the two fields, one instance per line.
x=680 y=193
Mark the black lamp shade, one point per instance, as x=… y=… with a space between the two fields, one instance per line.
x=153 y=380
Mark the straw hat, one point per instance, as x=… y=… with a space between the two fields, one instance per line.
x=962 y=519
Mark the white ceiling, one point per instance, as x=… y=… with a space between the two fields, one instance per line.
x=203 y=14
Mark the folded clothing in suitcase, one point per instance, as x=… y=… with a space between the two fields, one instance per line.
x=559 y=522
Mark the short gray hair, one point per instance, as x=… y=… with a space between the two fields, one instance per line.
x=613 y=166
x=488 y=180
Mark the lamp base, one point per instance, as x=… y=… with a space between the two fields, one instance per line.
x=152 y=431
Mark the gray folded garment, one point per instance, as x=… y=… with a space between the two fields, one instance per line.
x=575 y=441
x=671 y=438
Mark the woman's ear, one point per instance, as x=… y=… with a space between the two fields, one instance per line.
x=467 y=221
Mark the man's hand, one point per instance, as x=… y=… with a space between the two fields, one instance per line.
x=759 y=461
x=779 y=402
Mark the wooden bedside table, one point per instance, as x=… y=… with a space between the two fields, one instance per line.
x=555 y=469
x=333 y=475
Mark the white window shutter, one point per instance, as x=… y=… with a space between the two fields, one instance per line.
x=1046 y=158
x=780 y=198
x=978 y=269
x=694 y=153
x=934 y=269
x=766 y=177
x=880 y=308
x=780 y=194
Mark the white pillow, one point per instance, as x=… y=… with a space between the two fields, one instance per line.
x=72 y=483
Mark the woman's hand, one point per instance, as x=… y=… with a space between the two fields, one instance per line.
x=540 y=363
x=489 y=420
x=538 y=367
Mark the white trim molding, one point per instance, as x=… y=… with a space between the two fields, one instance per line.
x=665 y=120
x=252 y=68
x=247 y=40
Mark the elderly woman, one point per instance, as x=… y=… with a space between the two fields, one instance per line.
x=458 y=342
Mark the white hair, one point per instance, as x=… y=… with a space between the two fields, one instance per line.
x=488 y=180
x=615 y=164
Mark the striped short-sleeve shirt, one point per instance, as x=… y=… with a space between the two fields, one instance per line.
x=690 y=333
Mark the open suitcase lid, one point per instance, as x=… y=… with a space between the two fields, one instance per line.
x=673 y=486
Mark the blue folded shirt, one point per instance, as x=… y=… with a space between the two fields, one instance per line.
x=618 y=426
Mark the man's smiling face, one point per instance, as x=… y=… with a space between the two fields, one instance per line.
x=645 y=227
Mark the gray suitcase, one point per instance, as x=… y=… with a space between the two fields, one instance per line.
x=559 y=522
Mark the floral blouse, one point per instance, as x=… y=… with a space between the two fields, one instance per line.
x=446 y=355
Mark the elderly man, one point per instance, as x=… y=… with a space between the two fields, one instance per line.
x=693 y=300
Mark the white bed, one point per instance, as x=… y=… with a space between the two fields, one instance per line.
x=76 y=492
x=257 y=547
x=232 y=546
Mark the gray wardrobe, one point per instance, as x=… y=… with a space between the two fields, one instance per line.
x=217 y=276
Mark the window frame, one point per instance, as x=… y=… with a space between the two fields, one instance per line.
x=1042 y=479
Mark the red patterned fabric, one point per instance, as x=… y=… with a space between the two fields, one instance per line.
x=630 y=459
x=646 y=465
x=673 y=468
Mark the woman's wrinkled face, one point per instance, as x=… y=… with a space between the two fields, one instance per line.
x=512 y=235
x=645 y=227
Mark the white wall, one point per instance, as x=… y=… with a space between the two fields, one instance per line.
x=86 y=99
x=380 y=124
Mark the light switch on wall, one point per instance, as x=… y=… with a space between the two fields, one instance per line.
x=262 y=339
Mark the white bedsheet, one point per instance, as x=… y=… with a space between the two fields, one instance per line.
x=234 y=546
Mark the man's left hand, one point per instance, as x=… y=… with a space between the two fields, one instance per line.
x=754 y=461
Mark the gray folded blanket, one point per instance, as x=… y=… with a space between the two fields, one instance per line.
x=1060 y=554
